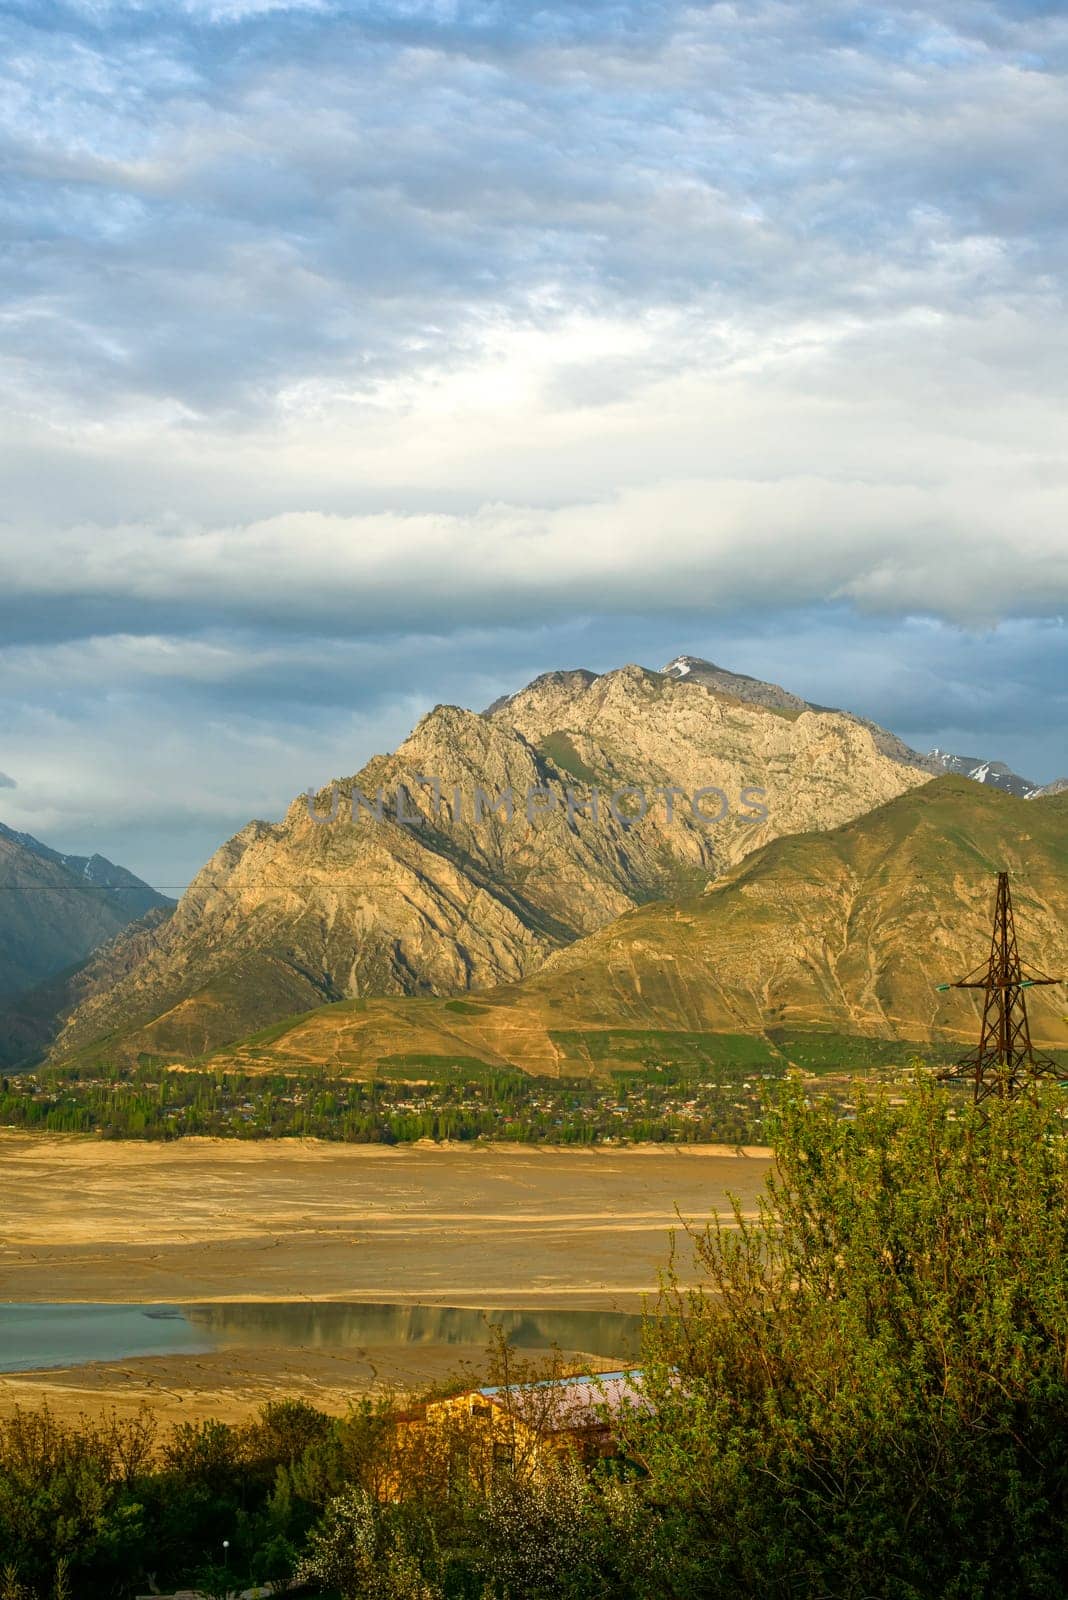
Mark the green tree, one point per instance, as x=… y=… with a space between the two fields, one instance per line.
x=867 y=1393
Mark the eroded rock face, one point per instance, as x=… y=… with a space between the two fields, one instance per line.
x=410 y=892
x=848 y=932
x=817 y=768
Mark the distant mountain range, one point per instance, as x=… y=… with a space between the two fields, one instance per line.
x=995 y=773
x=297 y=914
x=55 y=910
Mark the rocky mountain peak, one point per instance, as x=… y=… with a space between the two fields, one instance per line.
x=392 y=882
x=565 y=682
x=694 y=669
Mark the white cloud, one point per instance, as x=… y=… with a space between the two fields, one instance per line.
x=396 y=322
x=784 y=469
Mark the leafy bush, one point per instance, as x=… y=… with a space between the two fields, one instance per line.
x=867 y=1395
x=564 y=1536
x=362 y=1549
x=68 y=1495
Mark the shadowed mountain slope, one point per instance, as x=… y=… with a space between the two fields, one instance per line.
x=55 y=910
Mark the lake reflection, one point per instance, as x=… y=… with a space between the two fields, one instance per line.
x=36 y=1336
x=326 y=1323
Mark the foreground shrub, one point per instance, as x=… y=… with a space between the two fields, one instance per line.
x=104 y=1508
x=868 y=1393
x=68 y=1496
x=362 y=1548
x=563 y=1536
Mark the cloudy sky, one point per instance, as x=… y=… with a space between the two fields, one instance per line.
x=355 y=357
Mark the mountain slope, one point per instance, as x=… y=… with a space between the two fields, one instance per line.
x=692 y=669
x=131 y=896
x=302 y=913
x=848 y=931
x=55 y=911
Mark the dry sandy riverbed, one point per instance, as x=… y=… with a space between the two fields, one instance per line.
x=203 y=1220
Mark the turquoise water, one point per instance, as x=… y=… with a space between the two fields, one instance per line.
x=33 y=1336
x=36 y=1336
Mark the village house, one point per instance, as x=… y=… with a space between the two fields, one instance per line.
x=521 y=1428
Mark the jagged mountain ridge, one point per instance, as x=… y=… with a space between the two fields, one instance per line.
x=992 y=772
x=126 y=890
x=298 y=914
x=847 y=931
x=694 y=669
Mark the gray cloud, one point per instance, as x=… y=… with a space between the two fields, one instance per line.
x=217 y=213
x=356 y=358
x=710 y=545
x=6 y=782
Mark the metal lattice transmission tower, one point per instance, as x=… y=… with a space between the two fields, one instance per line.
x=1004 y=1062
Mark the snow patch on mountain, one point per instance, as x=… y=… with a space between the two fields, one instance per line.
x=995 y=773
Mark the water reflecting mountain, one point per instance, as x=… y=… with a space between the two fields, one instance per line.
x=347 y=1325
x=69 y=1335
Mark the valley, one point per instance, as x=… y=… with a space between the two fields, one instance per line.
x=200 y=1221
x=468 y=1067
x=533 y=815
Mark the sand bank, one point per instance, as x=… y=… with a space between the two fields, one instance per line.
x=218 y=1220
